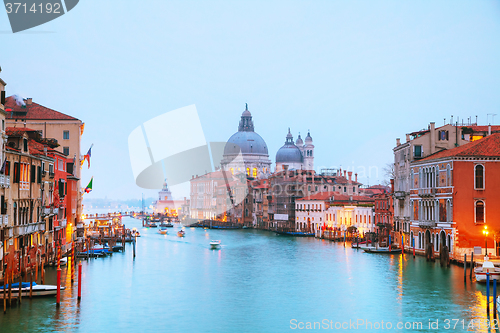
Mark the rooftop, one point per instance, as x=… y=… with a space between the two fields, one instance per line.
x=16 y=110
x=488 y=146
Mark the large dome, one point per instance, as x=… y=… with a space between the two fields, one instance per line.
x=289 y=154
x=246 y=139
x=248 y=142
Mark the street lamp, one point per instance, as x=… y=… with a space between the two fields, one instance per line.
x=485 y=233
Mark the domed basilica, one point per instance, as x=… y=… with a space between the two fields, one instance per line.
x=246 y=151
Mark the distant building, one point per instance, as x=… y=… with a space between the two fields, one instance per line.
x=334 y=211
x=166 y=205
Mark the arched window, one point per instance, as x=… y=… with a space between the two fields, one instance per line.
x=419 y=240
x=232 y=171
x=437 y=177
x=248 y=171
x=448 y=175
x=479 y=211
x=254 y=172
x=479 y=172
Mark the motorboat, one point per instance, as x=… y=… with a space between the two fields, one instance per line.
x=135 y=233
x=214 y=244
x=38 y=289
x=181 y=233
x=163 y=231
x=63 y=261
x=487 y=267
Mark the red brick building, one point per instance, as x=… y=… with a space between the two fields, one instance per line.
x=455 y=195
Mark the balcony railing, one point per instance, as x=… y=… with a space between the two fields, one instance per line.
x=51 y=174
x=399 y=194
x=426 y=192
x=427 y=224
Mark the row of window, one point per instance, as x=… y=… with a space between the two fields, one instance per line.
x=430 y=177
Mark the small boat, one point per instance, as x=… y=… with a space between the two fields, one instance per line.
x=166 y=225
x=487 y=267
x=388 y=250
x=63 y=261
x=135 y=233
x=38 y=289
x=360 y=245
x=181 y=233
x=215 y=244
x=163 y=231
x=244 y=227
x=117 y=248
x=152 y=225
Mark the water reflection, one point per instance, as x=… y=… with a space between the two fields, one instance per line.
x=257 y=282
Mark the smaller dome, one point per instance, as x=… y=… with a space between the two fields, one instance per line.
x=289 y=154
x=299 y=141
x=308 y=137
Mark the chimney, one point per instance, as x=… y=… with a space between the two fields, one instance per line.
x=433 y=137
x=350 y=176
x=345 y=172
x=407 y=137
x=398 y=142
x=29 y=101
x=392 y=185
x=356 y=177
x=489 y=129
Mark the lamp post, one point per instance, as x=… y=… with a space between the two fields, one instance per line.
x=485 y=233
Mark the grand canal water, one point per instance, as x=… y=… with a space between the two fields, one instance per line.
x=257 y=282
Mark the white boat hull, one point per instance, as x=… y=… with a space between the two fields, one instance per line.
x=38 y=290
x=481 y=277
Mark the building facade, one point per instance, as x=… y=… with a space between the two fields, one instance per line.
x=454 y=198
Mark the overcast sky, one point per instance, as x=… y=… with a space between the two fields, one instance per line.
x=358 y=74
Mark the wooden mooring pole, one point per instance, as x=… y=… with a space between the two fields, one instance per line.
x=471 y=264
x=80 y=280
x=465 y=267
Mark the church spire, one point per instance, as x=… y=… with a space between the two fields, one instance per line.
x=246 y=122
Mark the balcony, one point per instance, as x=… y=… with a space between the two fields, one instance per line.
x=427 y=224
x=51 y=175
x=399 y=194
x=426 y=192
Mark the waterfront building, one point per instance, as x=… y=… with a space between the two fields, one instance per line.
x=259 y=191
x=287 y=186
x=218 y=195
x=419 y=145
x=334 y=211
x=64 y=129
x=298 y=156
x=26 y=227
x=383 y=215
x=246 y=151
x=454 y=196
x=4 y=180
x=166 y=204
